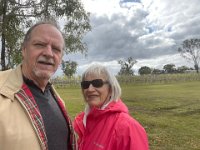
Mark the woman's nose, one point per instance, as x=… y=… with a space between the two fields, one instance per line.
x=91 y=87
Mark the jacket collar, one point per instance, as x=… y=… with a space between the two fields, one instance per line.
x=11 y=82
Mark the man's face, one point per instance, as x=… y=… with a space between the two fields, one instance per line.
x=42 y=54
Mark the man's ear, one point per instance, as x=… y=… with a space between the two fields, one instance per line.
x=60 y=61
x=23 y=51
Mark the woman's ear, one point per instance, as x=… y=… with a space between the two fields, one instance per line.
x=110 y=90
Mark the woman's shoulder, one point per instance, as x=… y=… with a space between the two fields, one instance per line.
x=78 y=120
x=130 y=133
x=127 y=122
x=79 y=116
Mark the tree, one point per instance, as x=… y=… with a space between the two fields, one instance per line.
x=16 y=15
x=157 y=71
x=10 y=32
x=169 y=68
x=182 y=69
x=126 y=66
x=190 y=50
x=144 y=70
x=69 y=68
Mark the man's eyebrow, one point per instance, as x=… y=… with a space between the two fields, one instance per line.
x=38 y=40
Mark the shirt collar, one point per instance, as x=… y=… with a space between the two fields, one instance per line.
x=32 y=84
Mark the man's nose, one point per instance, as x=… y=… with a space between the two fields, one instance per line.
x=48 y=51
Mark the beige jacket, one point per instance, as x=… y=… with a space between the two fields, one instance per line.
x=17 y=130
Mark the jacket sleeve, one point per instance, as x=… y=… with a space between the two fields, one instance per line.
x=130 y=135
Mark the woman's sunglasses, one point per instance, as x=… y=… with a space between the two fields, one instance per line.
x=97 y=83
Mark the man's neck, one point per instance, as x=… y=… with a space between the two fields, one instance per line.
x=42 y=83
x=39 y=82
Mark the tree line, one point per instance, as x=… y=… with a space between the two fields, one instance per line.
x=126 y=68
x=168 y=68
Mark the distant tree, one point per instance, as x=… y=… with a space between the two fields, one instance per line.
x=69 y=68
x=190 y=50
x=17 y=15
x=169 y=68
x=157 y=71
x=144 y=70
x=126 y=66
x=182 y=69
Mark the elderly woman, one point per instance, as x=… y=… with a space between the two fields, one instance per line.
x=106 y=123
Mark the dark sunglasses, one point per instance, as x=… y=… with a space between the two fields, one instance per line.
x=97 y=83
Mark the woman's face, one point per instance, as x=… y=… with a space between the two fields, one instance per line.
x=96 y=96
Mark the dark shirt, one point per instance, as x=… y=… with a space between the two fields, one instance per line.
x=57 y=129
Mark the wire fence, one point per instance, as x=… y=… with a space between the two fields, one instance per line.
x=144 y=79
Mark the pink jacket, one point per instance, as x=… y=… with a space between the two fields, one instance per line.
x=110 y=129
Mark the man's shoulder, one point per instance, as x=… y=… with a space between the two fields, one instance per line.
x=4 y=75
x=10 y=80
x=5 y=72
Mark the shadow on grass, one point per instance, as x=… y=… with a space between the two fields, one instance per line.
x=188 y=113
x=166 y=108
x=180 y=110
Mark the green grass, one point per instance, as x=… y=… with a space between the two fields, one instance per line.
x=170 y=113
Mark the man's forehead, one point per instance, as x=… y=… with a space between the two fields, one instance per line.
x=45 y=32
x=46 y=28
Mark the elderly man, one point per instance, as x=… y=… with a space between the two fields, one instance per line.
x=32 y=115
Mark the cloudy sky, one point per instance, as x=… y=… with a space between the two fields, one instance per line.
x=148 y=30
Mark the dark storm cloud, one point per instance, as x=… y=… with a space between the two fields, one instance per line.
x=116 y=37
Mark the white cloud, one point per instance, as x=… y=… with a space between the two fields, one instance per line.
x=102 y=7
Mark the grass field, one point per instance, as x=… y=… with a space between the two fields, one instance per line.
x=170 y=113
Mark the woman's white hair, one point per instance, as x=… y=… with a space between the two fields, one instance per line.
x=99 y=71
